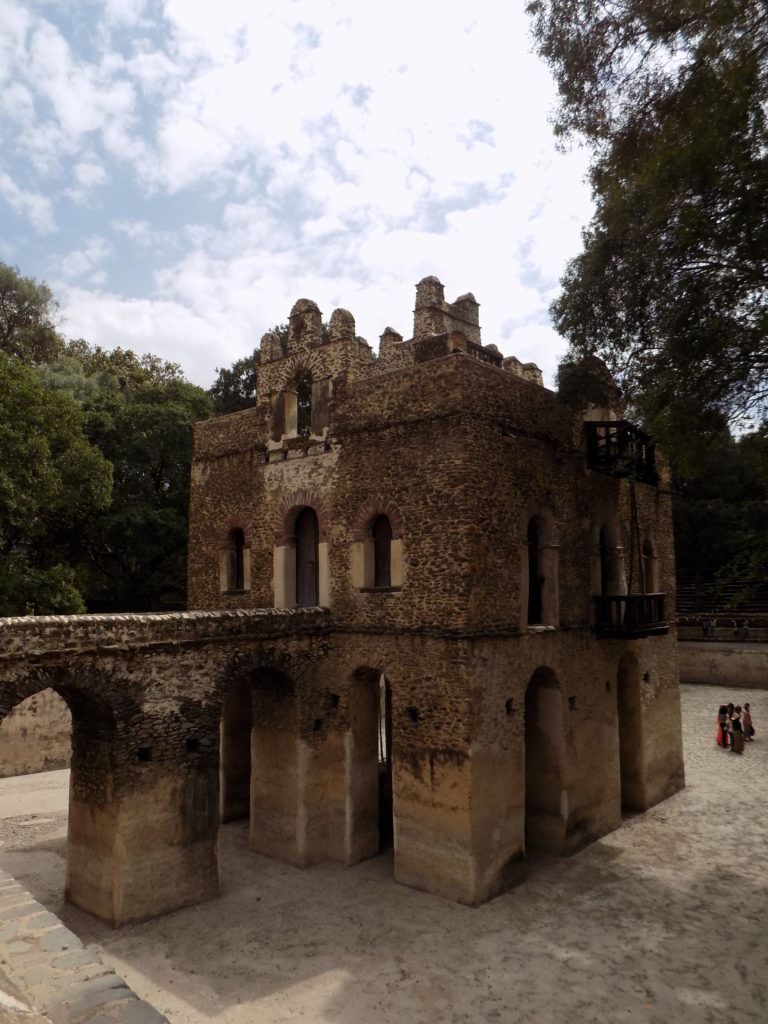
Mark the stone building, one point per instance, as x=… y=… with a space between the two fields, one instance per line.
x=498 y=674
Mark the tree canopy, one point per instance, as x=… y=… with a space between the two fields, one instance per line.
x=671 y=288
x=51 y=480
x=28 y=310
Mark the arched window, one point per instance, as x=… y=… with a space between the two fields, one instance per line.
x=306 y=558
x=304 y=406
x=534 y=576
x=235 y=574
x=235 y=564
x=382 y=552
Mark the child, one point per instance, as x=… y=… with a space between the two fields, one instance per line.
x=746 y=722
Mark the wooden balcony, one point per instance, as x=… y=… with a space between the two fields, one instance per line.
x=630 y=616
x=620 y=449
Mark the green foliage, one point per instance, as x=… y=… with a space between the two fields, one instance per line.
x=721 y=514
x=235 y=389
x=51 y=481
x=140 y=414
x=670 y=288
x=27 y=318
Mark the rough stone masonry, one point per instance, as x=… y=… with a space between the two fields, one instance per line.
x=430 y=610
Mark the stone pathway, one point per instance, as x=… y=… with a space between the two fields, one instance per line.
x=46 y=974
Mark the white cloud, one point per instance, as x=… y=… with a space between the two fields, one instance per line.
x=82 y=263
x=311 y=148
x=37 y=208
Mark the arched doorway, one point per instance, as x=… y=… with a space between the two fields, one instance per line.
x=629 y=711
x=372 y=805
x=307 y=535
x=66 y=854
x=545 y=814
x=235 y=753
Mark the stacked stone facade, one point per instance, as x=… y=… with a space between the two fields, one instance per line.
x=508 y=719
x=428 y=609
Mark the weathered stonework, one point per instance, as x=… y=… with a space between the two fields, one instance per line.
x=456 y=692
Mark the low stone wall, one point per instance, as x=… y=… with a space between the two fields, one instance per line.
x=735 y=665
x=46 y=966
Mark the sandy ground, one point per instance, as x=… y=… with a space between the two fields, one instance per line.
x=665 y=920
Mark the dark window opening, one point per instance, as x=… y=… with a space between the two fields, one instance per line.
x=193 y=745
x=236 y=572
x=382 y=552
x=145 y=753
x=304 y=406
x=534 y=576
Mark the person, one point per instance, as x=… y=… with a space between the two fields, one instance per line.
x=737 y=734
x=746 y=723
x=722 y=727
x=744 y=630
x=711 y=628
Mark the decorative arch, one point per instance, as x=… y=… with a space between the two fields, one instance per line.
x=378 y=525
x=291 y=560
x=289 y=404
x=539 y=569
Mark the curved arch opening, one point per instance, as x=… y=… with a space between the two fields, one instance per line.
x=545 y=804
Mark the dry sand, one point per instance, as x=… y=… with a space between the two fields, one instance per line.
x=665 y=920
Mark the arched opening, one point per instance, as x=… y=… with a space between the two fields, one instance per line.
x=60 y=845
x=545 y=803
x=235 y=753
x=36 y=735
x=304 y=406
x=382 y=552
x=371 y=800
x=306 y=558
x=534 y=575
x=629 y=711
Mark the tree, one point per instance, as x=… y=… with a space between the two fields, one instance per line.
x=28 y=327
x=235 y=389
x=51 y=481
x=140 y=413
x=670 y=288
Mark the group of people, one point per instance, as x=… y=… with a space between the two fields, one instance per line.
x=741 y=630
x=734 y=727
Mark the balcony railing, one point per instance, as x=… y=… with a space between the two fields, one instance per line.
x=630 y=615
x=618 y=448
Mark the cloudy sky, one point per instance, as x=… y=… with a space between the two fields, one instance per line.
x=181 y=171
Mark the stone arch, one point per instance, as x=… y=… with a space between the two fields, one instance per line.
x=539 y=569
x=364 y=545
x=546 y=811
x=290 y=505
x=91 y=828
x=630 y=727
x=259 y=756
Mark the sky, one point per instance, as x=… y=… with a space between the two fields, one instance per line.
x=180 y=172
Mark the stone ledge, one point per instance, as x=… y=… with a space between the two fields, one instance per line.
x=59 y=980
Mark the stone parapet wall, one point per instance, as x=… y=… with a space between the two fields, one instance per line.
x=60 y=635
